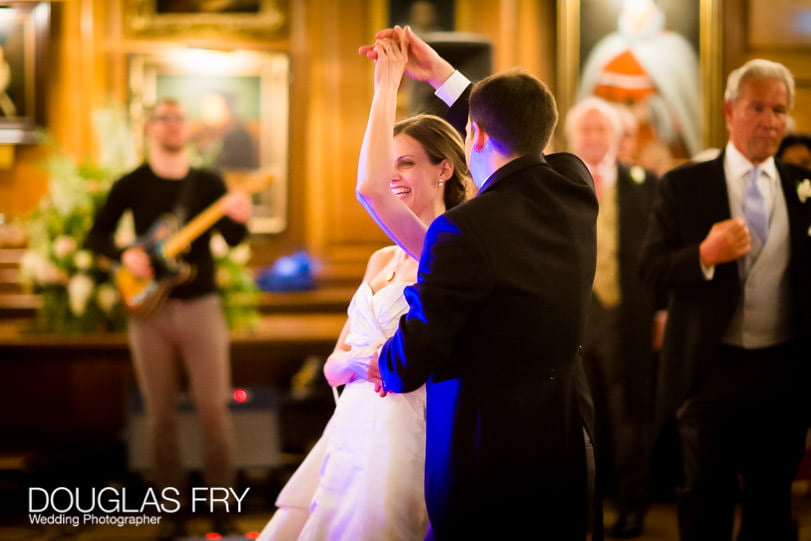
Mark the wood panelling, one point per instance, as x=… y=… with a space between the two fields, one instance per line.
x=24 y=183
x=742 y=42
x=779 y=24
x=338 y=98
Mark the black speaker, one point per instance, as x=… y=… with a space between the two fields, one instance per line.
x=471 y=54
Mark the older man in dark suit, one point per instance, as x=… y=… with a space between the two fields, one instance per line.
x=729 y=239
x=617 y=348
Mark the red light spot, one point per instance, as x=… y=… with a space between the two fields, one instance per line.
x=211 y=536
x=240 y=395
x=252 y=535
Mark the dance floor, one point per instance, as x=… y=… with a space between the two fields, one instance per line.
x=660 y=525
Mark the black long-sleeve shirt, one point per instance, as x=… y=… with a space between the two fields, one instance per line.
x=151 y=197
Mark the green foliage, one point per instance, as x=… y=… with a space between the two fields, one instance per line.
x=236 y=286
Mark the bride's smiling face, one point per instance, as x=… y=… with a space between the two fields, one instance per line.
x=415 y=179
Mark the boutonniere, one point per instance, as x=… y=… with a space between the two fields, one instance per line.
x=804 y=190
x=637 y=174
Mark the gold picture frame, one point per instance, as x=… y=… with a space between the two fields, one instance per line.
x=261 y=19
x=24 y=33
x=253 y=88
x=573 y=24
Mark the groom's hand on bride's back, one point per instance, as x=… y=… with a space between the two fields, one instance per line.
x=374 y=367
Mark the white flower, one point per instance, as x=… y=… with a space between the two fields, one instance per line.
x=83 y=260
x=64 y=245
x=637 y=174
x=80 y=287
x=41 y=270
x=804 y=190
x=241 y=254
x=219 y=248
x=106 y=297
x=125 y=234
x=32 y=266
x=53 y=275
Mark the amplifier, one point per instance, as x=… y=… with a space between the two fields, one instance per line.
x=256 y=422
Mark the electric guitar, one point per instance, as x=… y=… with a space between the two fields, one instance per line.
x=141 y=296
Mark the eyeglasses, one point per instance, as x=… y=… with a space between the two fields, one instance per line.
x=168 y=119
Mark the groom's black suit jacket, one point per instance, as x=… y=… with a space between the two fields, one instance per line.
x=689 y=201
x=494 y=328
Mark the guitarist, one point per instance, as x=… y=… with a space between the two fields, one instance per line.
x=189 y=327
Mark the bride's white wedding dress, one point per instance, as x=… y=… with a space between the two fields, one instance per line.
x=363 y=480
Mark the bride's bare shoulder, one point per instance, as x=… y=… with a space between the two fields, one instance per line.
x=379 y=260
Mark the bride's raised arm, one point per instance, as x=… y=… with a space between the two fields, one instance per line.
x=377 y=159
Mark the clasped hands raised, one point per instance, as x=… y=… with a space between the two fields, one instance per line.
x=402 y=47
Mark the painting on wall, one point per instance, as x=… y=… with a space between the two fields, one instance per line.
x=23 y=44
x=423 y=15
x=265 y=19
x=237 y=105
x=650 y=59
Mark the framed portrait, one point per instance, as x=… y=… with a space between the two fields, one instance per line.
x=423 y=15
x=207 y=18
x=657 y=60
x=24 y=30
x=237 y=107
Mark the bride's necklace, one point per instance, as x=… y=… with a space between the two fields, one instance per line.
x=397 y=260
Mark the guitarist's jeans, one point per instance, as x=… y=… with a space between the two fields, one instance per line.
x=194 y=333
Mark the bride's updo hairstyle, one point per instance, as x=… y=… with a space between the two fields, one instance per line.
x=441 y=142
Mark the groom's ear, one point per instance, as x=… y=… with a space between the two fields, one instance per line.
x=478 y=136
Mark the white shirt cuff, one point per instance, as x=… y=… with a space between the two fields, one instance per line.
x=709 y=272
x=451 y=89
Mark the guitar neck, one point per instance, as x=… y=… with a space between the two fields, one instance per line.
x=180 y=240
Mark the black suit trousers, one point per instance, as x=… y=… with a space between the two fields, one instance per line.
x=622 y=414
x=742 y=438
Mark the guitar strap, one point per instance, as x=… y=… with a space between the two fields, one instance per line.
x=182 y=208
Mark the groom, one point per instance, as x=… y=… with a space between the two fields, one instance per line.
x=495 y=323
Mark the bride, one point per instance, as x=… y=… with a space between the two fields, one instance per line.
x=363 y=480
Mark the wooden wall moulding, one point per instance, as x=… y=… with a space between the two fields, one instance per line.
x=202 y=19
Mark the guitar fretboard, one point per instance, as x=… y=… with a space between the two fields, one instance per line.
x=196 y=227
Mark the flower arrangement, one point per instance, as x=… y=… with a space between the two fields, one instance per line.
x=76 y=291
x=237 y=288
x=75 y=286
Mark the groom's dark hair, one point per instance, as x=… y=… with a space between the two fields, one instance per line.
x=516 y=109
